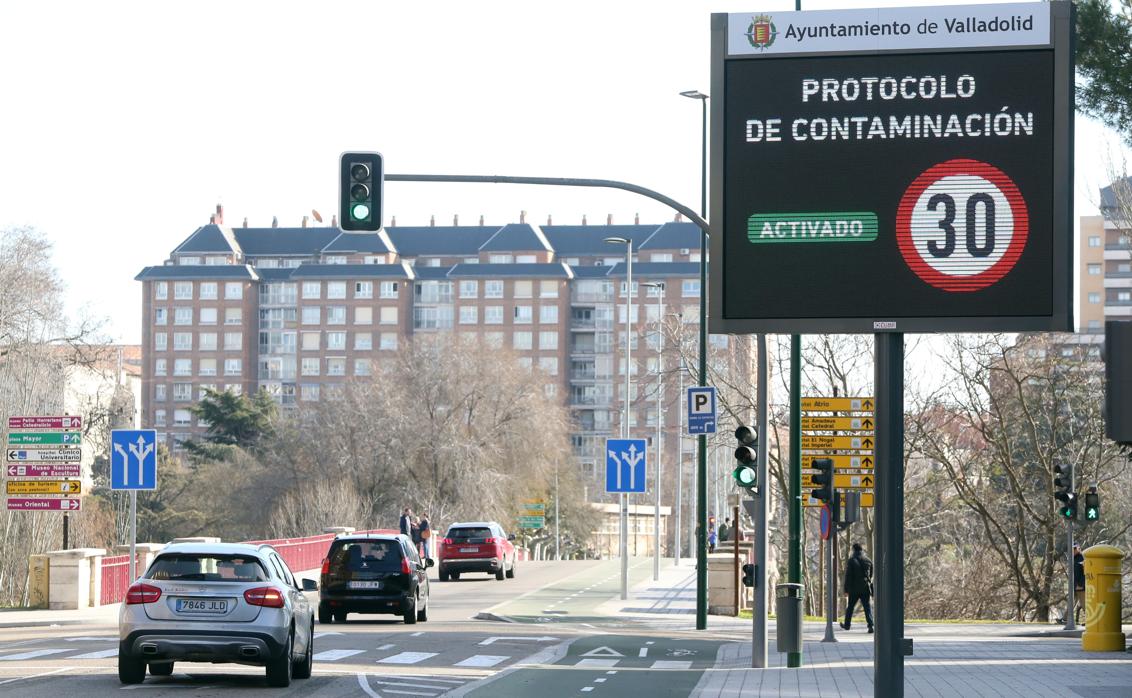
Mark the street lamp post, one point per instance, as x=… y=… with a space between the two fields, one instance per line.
x=658 y=289
x=628 y=243
x=701 y=455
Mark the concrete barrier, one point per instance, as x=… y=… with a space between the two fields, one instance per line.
x=75 y=581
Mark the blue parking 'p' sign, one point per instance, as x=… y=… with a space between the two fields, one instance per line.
x=625 y=465
x=133 y=459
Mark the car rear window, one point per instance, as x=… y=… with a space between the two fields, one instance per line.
x=365 y=556
x=203 y=567
x=469 y=532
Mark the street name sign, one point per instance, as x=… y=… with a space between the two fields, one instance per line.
x=58 y=438
x=837 y=423
x=838 y=404
x=44 y=504
x=837 y=443
x=52 y=470
x=866 y=500
x=64 y=422
x=701 y=410
x=625 y=465
x=49 y=487
x=45 y=455
x=958 y=118
x=133 y=459
x=840 y=461
x=532 y=522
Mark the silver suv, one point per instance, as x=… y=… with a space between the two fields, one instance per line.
x=217 y=602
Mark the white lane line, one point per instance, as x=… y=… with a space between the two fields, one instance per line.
x=600 y=680
x=335 y=655
x=363 y=682
x=587 y=689
x=650 y=642
x=417 y=634
x=36 y=676
x=482 y=660
x=611 y=672
x=30 y=655
x=671 y=664
x=101 y=654
x=386 y=647
x=318 y=635
x=390 y=691
x=407 y=658
x=92 y=638
x=590 y=661
x=644 y=652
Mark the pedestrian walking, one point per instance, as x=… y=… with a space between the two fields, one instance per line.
x=1078 y=582
x=415 y=533
x=725 y=530
x=711 y=538
x=858 y=586
x=406 y=522
x=426 y=535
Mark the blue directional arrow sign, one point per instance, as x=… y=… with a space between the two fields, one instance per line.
x=701 y=410
x=133 y=459
x=625 y=465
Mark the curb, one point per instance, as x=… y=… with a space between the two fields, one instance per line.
x=45 y=623
x=486 y=615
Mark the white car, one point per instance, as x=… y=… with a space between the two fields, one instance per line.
x=217 y=602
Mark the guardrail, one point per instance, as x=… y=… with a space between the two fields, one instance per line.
x=115 y=578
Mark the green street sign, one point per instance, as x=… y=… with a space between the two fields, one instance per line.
x=532 y=522
x=44 y=438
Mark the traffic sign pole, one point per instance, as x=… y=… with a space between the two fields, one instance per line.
x=133 y=535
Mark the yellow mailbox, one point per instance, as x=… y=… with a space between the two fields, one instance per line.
x=1102 y=600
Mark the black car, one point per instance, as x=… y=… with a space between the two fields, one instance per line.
x=373 y=573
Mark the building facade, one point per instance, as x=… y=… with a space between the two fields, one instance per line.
x=1105 y=254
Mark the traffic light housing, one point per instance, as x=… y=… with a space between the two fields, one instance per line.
x=823 y=478
x=1092 y=504
x=749 y=575
x=359 y=192
x=1063 y=491
x=746 y=471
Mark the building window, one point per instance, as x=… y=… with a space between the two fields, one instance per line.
x=233 y=316
x=655 y=291
x=311 y=341
x=336 y=290
x=525 y=259
x=374 y=259
x=523 y=314
x=548 y=314
x=1094 y=298
x=500 y=259
x=159 y=418
x=336 y=340
x=336 y=259
x=388 y=315
x=182 y=316
x=335 y=315
x=469 y=315
x=362 y=367
x=523 y=289
x=160 y=316
x=159 y=341
x=388 y=289
x=310 y=366
x=690 y=288
x=1094 y=241
x=335 y=367
x=233 y=290
x=1094 y=324
x=161 y=290
x=433 y=292
x=233 y=341
x=159 y=367
x=312 y=315
x=312 y=290
x=636 y=288
x=208 y=290
x=548 y=289
x=233 y=367
x=363 y=341
x=469 y=289
x=547 y=340
x=207 y=367
x=388 y=341
x=183 y=290
x=493 y=289
x=206 y=341
x=308 y=392
x=363 y=289
x=1094 y=270
x=182 y=392
x=432 y=318
x=1124 y=296
x=493 y=315
x=159 y=392
x=549 y=364
x=363 y=316
x=182 y=341
x=207 y=316
x=522 y=341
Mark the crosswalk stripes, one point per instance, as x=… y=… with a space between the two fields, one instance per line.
x=411 y=684
x=100 y=654
x=662 y=664
x=334 y=655
x=482 y=661
x=407 y=658
x=682 y=665
x=30 y=655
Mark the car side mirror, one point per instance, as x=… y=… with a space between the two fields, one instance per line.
x=429 y=562
x=310 y=585
x=511 y=537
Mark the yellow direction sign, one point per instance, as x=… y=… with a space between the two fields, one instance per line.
x=864 y=460
x=60 y=487
x=841 y=443
x=853 y=481
x=838 y=404
x=866 y=500
x=862 y=423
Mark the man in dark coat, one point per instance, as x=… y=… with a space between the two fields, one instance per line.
x=406 y=521
x=858 y=586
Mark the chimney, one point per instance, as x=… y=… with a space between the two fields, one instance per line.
x=522 y=216
x=305 y=221
x=334 y=221
x=481 y=220
x=245 y=221
x=393 y=222
x=679 y=217
x=219 y=214
x=275 y=221
x=455 y=219
x=609 y=219
x=548 y=220
x=212 y=219
x=584 y=219
x=432 y=220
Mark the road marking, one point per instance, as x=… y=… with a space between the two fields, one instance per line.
x=101 y=654
x=587 y=689
x=363 y=682
x=482 y=660
x=95 y=638
x=492 y=640
x=611 y=672
x=36 y=676
x=600 y=680
x=335 y=655
x=644 y=652
x=407 y=658
x=598 y=662
x=30 y=655
x=671 y=664
x=386 y=647
x=650 y=642
x=418 y=634
x=603 y=651
x=318 y=635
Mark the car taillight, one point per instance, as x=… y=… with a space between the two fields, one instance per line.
x=142 y=593
x=405 y=566
x=264 y=596
x=326 y=565
x=490 y=541
x=447 y=541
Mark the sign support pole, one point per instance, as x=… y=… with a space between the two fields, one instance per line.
x=794 y=573
x=1070 y=611
x=888 y=662
x=66 y=532
x=758 y=612
x=133 y=535
x=830 y=579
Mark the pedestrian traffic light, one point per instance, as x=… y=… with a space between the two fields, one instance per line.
x=746 y=471
x=359 y=191
x=1092 y=504
x=1063 y=490
x=823 y=478
x=748 y=575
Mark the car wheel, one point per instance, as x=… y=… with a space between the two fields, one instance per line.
x=324 y=615
x=511 y=570
x=499 y=574
x=130 y=669
x=456 y=576
x=443 y=574
x=279 y=669
x=302 y=668
x=160 y=668
x=339 y=616
x=411 y=614
x=422 y=614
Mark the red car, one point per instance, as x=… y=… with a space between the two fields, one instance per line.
x=476 y=547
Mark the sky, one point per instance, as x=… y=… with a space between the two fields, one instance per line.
x=126 y=123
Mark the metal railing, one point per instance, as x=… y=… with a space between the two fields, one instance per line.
x=115 y=578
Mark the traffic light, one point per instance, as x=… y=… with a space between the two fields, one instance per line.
x=823 y=478
x=746 y=471
x=1063 y=491
x=748 y=575
x=1092 y=504
x=359 y=191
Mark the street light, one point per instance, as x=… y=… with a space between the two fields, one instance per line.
x=659 y=293
x=701 y=456
x=628 y=243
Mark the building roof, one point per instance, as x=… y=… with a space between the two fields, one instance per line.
x=590 y=239
x=674 y=236
x=682 y=269
x=351 y=271
x=284 y=242
x=198 y=271
x=275 y=274
x=207 y=239
x=592 y=271
x=517 y=237
x=374 y=243
x=1116 y=194
x=432 y=273
x=523 y=271
x=440 y=241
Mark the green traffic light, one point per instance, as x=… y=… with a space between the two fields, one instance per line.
x=360 y=212
x=745 y=476
x=1091 y=514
